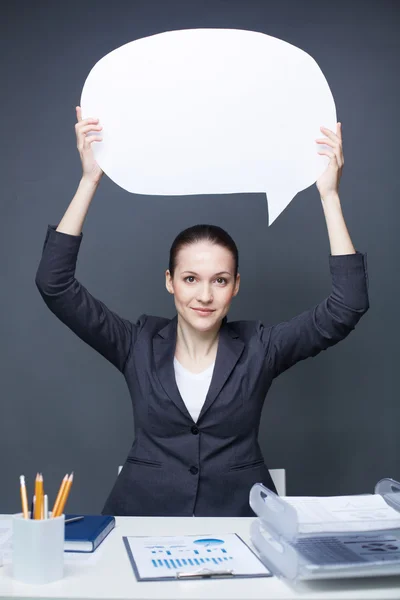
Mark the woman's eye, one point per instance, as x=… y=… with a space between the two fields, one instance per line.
x=189 y=278
x=221 y=280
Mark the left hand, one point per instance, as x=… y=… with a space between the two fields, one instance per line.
x=328 y=183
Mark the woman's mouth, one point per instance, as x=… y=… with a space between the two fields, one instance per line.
x=204 y=312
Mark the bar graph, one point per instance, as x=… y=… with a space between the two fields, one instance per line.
x=190 y=562
x=203 y=552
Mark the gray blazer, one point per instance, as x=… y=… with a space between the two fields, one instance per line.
x=177 y=467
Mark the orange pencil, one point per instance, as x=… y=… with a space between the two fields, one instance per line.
x=42 y=498
x=65 y=495
x=41 y=490
x=24 y=497
x=59 y=495
x=39 y=500
x=37 y=513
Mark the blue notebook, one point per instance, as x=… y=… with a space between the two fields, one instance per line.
x=88 y=533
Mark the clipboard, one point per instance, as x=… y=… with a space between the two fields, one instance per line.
x=142 y=551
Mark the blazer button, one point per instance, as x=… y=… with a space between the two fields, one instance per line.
x=194 y=470
x=194 y=430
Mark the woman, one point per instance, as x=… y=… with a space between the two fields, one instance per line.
x=197 y=382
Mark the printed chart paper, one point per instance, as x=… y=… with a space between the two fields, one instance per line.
x=166 y=556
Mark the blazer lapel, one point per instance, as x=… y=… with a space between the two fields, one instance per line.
x=164 y=344
x=230 y=348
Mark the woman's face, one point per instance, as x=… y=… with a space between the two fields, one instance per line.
x=203 y=284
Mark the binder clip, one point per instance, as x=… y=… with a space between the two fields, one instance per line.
x=204 y=574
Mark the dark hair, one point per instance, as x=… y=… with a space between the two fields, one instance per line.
x=202 y=233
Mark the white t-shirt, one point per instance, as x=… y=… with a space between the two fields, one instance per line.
x=193 y=387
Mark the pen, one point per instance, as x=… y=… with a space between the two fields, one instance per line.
x=24 y=498
x=59 y=495
x=72 y=519
x=46 y=507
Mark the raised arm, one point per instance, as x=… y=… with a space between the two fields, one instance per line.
x=68 y=299
x=87 y=131
x=335 y=317
x=328 y=187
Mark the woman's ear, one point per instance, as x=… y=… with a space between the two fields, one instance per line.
x=237 y=285
x=168 y=282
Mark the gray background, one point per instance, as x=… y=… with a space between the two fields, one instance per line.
x=331 y=421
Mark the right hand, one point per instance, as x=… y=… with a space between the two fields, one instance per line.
x=91 y=170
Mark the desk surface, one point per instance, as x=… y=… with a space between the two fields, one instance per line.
x=111 y=575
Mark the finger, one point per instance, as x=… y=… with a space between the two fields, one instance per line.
x=333 y=158
x=84 y=123
x=329 y=133
x=78 y=113
x=339 y=131
x=86 y=128
x=326 y=141
x=86 y=142
x=94 y=138
x=328 y=153
x=337 y=148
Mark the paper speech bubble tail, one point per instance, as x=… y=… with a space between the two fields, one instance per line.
x=277 y=201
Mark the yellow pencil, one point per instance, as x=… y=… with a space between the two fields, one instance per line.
x=24 y=497
x=59 y=495
x=64 y=496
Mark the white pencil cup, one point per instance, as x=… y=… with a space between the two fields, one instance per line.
x=38 y=549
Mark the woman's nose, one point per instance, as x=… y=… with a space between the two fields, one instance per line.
x=205 y=294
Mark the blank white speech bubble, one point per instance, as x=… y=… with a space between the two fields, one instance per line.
x=210 y=111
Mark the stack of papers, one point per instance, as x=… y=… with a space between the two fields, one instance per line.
x=343 y=514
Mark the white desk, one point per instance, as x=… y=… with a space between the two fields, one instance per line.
x=112 y=577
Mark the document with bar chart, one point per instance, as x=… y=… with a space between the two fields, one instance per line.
x=191 y=556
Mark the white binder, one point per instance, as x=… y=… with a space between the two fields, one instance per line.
x=298 y=556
